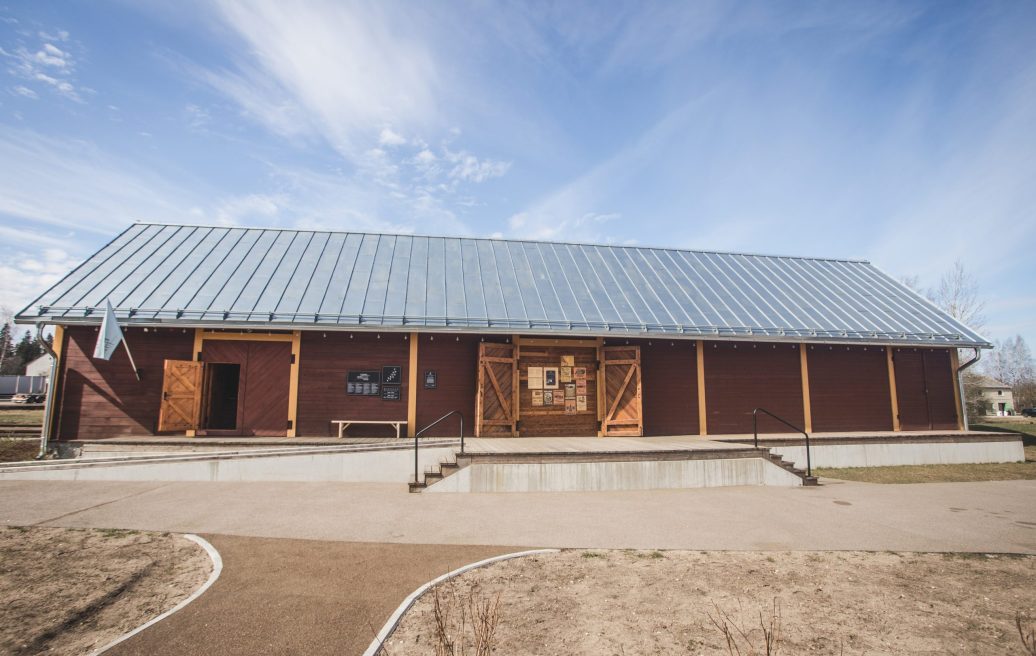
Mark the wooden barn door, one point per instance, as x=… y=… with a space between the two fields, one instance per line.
x=496 y=400
x=620 y=385
x=181 y=396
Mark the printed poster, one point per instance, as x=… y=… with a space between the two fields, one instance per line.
x=581 y=402
x=559 y=398
x=568 y=361
x=580 y=386
x=566 y=374
x=548 y=397
x=579 y=373
x=537 y=397
x=570 y=391
x=550 y=377
x=570 y=406
x=535 y=377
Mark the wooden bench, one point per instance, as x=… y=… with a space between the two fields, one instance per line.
x=346 y=423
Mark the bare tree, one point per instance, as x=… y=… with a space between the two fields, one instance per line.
x=1011 y=362
x=957 y=294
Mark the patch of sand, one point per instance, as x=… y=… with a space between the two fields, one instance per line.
x=70 y=591
x=638 y=602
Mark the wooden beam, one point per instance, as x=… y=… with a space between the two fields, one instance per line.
x=573 y=343
x=293 y=383
x=199 y=337
x=892 y=389
x=807 y=412
x=516 y=390
x=954 y=363
x=57 y=398
x=411 y=390
x=248 y=337
x=703 y=419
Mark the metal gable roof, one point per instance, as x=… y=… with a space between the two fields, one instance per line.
x=270 y=278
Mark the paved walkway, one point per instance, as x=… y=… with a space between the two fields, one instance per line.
x=994 y=516
x=299 y=597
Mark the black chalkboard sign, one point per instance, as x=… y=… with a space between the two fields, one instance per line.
x=363 y=383
x=391 y=375
x=390 y=393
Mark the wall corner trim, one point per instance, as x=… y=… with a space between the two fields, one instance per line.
x=411 y=390
x=703 y=420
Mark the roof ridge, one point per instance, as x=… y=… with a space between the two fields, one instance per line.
x=510 y=240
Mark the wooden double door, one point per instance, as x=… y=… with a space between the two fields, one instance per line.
x=238 y=388
x=506 y=405
x=924 y=389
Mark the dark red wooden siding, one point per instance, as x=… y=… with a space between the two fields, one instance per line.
x=741 y=377
x=324 y=363
x=454 y=359
x=669 y=384
x=99 y=399
x=924 y=389
x=849 y=388
x=262 y=401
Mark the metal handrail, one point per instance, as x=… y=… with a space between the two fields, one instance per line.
x=418 y=434
x=755 y=432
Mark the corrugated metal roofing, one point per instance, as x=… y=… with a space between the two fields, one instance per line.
x=246 y=277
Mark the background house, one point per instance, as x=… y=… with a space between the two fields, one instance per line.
x=994 y=397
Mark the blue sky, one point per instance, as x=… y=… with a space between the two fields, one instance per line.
x=900 y=132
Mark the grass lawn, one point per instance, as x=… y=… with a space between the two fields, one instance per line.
x=20 y=416
x=1023 y=425
x=1008 y=471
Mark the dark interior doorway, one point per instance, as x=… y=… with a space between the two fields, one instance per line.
x=222 y=388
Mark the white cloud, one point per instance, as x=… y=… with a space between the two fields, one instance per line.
x=26 y=92
x=44 y=63
x=390 y=138
x=241 y=210
x=24 y=275
x=470 y=168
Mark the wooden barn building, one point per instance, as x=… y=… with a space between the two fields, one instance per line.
x=270 y=332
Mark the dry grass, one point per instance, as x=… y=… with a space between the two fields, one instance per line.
x=1008 y=471
x=1023 y=425
x=20 y=416
x=18 y=450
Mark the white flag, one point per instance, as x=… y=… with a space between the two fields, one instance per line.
x=110 y=335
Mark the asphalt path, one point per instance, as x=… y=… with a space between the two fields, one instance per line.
x=980 y=517
x=309 y=597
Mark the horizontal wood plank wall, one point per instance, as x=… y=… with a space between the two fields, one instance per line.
x=849 y=388
x=454 y=359
x=942 y=402
x=544 y=421
x=742 y=376
x=322 y=381
x=669 y=384
x=104 y=399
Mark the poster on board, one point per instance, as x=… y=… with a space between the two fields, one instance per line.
x=570 y=391
x=568 y=361
x=581 y=402
x=548 y=397
x=535 y=376
x=537 y=397
x=550 y=378
x=570 y=406
x=566 y=374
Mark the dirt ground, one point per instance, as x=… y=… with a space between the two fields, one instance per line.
x=69 y=591
x=636 y=602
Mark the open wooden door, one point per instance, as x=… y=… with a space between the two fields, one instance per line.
x=620 y=385
x=181 y=396
x=495 y=404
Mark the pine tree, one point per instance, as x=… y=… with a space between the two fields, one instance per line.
x=6 y=352
x=27 y=350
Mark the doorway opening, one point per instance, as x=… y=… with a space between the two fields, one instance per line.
x=222 y=383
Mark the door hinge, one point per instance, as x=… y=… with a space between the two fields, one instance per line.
x=292 y=358
x=290 y=422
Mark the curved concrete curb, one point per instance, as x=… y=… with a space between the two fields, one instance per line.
x=393 y=621
x=217 y=568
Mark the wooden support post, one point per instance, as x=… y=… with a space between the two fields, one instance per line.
x=516 y=390
x=411 y=390
x=57 y=398
x=599 y=384
x=293 y=383
x=199 y=339
x=892 y=389
x=703 y=419
x=954 y=363
x=807 y=412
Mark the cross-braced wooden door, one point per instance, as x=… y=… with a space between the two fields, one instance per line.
x=495 y=404
x=181 y=396
x=620 y=383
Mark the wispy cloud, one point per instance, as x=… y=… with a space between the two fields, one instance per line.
x=38 y=60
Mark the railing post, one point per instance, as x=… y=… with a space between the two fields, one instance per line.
x=462 y=434
x=809 y=465
x=415 y=460
x=755 y=427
